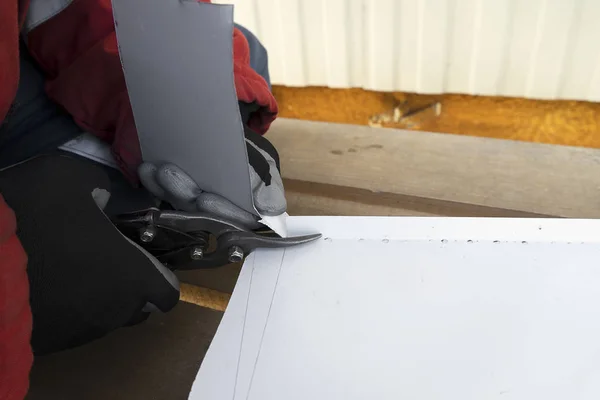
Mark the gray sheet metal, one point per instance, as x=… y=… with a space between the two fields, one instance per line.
x=177 y=58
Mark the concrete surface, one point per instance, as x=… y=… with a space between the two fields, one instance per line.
x=157 y=359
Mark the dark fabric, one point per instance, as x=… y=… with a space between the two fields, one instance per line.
x=259 y=164
x=9 y=53
x=85 y=278
x=246 y=110
x=15 y=315
x=124 y=197
x=34 y=124
x=264 y=144
x=256 y=159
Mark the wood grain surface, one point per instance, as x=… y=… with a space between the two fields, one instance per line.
x=574 y=123
x=488 y=173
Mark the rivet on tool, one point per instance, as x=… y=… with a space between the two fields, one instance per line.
x=236 y=254
x=147 y=234
x=197 y=253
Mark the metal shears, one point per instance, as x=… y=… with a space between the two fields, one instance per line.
x=184 y=241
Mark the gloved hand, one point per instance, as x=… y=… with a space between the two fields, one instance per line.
x=168 y=182
x=86 y=279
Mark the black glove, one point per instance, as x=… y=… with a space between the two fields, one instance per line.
x=86 y=279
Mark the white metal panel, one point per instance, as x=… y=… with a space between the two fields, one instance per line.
x=535 y=48
x=483 y=303
x=582 y=63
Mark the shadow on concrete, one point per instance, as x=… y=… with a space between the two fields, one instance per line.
x=157 y=359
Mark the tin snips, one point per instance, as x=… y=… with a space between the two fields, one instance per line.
x=183 y=241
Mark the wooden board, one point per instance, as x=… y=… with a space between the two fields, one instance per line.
x=431 y=173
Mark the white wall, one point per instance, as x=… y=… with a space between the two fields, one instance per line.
x=528 y=48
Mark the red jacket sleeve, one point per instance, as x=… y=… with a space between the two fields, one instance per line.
x=15 y=315
x=77 y=48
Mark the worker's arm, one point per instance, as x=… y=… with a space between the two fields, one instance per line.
x=86 y=279
x=15 y=314
x=77 y=49
x=86 y=78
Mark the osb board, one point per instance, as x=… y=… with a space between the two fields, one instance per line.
x=429 y=172
x=574 y=123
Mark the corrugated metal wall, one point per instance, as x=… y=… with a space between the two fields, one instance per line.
x=544 y=49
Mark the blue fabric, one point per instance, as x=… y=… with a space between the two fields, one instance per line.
x=34 y=124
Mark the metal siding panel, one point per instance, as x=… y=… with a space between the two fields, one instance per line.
x=534 y=48
x=433 y=18
x=593 y=93
x=313 y=25
x=585 y=50
x=355 y=43
x=293 y=43
x=380 y=53
x=407 y=74
x=549 y=54
x=336 y=42
x=461 y=44
x=488 y=58
x=526 y=17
